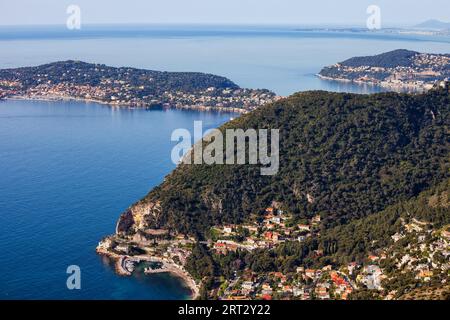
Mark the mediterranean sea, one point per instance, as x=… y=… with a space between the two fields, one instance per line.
x=67 y=170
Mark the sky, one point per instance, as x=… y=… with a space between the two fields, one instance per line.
x=295 y=12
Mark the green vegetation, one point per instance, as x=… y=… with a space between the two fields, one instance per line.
x=353 y=241
x=129 y=87
x=375 y=168
x=392 y=59
x=82 y=73
x=355 y=155
x=200 y=263
x=395 y=67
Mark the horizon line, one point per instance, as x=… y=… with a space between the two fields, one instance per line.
x=220 y=24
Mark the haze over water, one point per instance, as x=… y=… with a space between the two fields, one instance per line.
x=68 y=169
x=281 y=59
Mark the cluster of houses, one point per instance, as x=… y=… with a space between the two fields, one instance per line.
x=9 y=88
x=308 y=284
x=276 y=227
x=177 y=254
x=424 y=73
x=174 y=251
x=121 y=93
x=246 y=99
x=328 y=282
x=428 y=255
x=304 y=284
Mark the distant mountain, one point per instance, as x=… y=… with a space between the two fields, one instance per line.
x=392 y=59
x=82 y=73
x=434 y=24
x=398 y=70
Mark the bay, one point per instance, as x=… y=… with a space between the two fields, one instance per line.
x=67 y=170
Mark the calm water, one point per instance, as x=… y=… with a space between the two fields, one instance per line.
x=68 y=169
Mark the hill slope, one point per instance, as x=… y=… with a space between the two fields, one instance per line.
x=79 y=72
x=129 y=86
x=343 y=156
x=433 y=24
x=398 y=70
x=392 y=59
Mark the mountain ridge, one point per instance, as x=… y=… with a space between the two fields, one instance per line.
x=433 y=24
x=328 y=165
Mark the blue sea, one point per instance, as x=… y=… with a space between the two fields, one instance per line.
x=68 y=169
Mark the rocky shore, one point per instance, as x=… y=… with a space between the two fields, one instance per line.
x=125 y=266
x=113 y=104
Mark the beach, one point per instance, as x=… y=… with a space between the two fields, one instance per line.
x=124 y=266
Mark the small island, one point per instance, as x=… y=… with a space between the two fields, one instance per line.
x=399 y=70
x=129 y=87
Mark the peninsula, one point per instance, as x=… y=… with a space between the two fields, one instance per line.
x=129 y=87
x=399 y=70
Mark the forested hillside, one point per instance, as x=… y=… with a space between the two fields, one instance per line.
x=392 y=59
x=342 y=156
x=355 y=241
x=82 y=73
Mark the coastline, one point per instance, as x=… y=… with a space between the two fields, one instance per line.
x=119 y=260
x=397 y=87
x=120 y=265
x=125 y=106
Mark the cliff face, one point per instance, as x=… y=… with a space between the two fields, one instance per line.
x=138 y=217
x=354 y=155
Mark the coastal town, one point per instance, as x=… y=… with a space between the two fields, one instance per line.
x=399 y=70
x=128 y=87
x=426 y=257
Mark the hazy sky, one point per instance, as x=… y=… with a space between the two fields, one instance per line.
x=394 y=12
